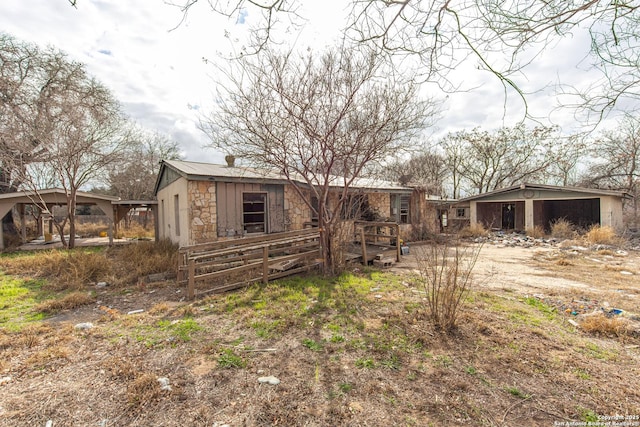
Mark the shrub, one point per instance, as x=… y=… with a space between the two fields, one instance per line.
x=444 y=271
x=536 y=232
x=143 y=390
x=562 y=229
x=474 y=230
x=600 y=324
x=601 y=235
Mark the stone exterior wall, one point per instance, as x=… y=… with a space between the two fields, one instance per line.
x=296 y=211
x=202 y=211
x=381 y=204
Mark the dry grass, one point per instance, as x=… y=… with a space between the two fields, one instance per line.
x=563 y=229
x=68 y=302
x=143 y=390
x=143 y=258
x=75 y=269
x=136 y=231
x=120 y=368
x=91 y=229
x=563 y=261
x=598 y=235
x=474 y=230
x=63 y=269
x=536 y=232
x=601 y=324
x=375 y=358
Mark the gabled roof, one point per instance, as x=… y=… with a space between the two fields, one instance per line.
x=56 y=195
x=196 y=171
x=526 y=186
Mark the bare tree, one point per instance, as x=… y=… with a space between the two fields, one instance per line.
x=59 y=125
x=486 y=161
x=317 y=119
x=426 y=169
x=568 y=154
x=502 y=38
x=134 y=176
x=271 y=11
x=616 y=162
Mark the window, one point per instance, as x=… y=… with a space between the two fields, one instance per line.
x=315 y=204
x=461 y=212
x=400 y=204
x=176 y=205
x=254 y=212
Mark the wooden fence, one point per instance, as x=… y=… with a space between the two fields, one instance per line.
x=376 y=234
x=230 y=264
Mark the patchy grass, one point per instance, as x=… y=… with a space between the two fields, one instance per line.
x=67 y=302
x=344 y=357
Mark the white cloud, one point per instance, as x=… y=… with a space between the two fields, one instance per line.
x=160 y=77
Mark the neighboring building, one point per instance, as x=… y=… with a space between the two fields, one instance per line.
x=203 y=202
x=525 y=206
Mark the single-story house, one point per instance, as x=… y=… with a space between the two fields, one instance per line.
x=526 y=206
x=204 y=202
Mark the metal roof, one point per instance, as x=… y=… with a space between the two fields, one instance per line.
x=207 y=171
x=51 y=193
x=526 y=186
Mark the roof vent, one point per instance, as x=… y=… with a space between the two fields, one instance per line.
x=230 y=159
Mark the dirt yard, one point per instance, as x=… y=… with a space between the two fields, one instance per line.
x=358 y=352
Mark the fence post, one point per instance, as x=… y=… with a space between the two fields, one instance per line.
x=181 y=266
x=192 y=279
x=364 y=247
x=397 y=227
x=265 y=264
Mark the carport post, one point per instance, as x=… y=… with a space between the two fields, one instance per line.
x=529 y=220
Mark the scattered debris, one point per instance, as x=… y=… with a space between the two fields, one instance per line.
x=5 y=380
x=84 y=326
x=164 y=384
x=269 y=380
x=136 y=311
x=102 y=285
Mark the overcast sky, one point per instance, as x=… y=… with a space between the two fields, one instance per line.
x=160 y=77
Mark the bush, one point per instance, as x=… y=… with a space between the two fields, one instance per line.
x=536 y=232
x=444 y=271
x=609 y=326
x=562 y=229
x=474 y=230
x=601 y=235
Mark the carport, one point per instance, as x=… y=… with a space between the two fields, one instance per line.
x=50 y=197
x=526 y=206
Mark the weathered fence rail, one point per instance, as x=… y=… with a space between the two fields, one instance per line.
x=375 y=233
x=230 y=264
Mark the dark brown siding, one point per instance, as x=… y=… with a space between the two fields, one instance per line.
x=229 y=206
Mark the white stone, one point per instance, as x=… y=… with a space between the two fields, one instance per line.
x=84 y=326
x=269 y=380
x=164 y=384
